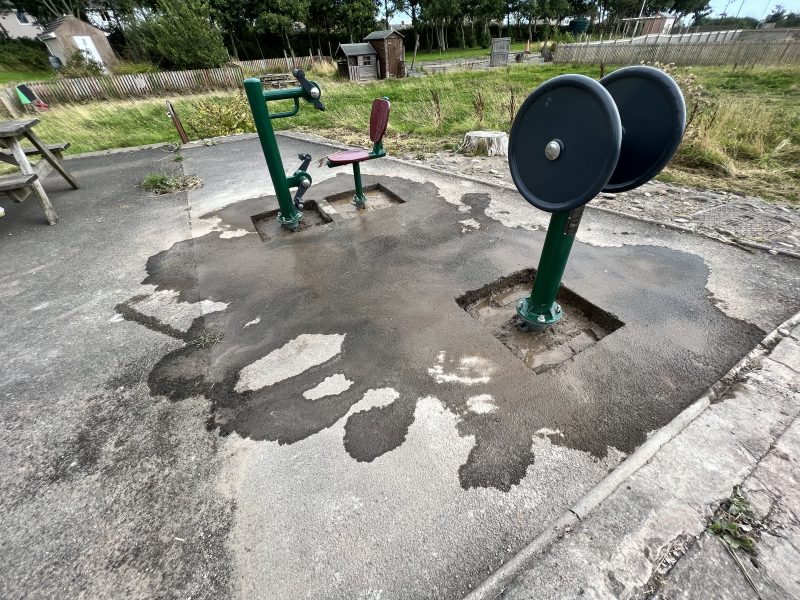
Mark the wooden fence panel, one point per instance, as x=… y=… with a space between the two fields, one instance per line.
x=706 y=52
x=145 y=85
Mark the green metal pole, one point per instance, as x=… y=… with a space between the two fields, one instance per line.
x=540 y=309
x=288 y=216
x=359 y=199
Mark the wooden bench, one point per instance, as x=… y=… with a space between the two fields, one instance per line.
x=20 y=185
x=57 y=149
x=12 y=136
x=16 y=181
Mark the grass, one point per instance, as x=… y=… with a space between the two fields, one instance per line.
x=749 y=144
x=454 y=53
x=8 y=77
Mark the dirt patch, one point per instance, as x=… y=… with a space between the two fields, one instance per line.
x=582 y=326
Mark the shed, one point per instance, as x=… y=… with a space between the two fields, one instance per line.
x=391 y=52
x=67 y=34
x=359 y=62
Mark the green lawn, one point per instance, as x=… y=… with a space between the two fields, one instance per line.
x=8 y=77
x=452 y=53
x=749 y=143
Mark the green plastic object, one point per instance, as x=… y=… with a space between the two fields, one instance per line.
x=540 y=309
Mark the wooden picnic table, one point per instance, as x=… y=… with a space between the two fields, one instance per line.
x=29 y=178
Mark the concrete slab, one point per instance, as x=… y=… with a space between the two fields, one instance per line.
x=441 y=458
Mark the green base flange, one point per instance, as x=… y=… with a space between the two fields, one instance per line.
x=292 y=224
x=536 y=320
x=360 y=201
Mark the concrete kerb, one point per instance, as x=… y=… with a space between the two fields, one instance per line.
x=495 y=584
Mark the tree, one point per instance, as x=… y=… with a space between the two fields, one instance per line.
x=357 y=16
x=181 y=35
x=280 y=16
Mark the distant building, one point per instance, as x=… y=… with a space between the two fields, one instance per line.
x=67 y=34
x=660 y=23
x=17 y=24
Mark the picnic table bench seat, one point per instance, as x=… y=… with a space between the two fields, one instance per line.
x=57 y=149
x=16 y=181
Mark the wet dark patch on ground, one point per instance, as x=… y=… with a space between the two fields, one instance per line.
x=374 y=432
x=388 y=281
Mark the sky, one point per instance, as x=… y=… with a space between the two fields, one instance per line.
x=758 y=9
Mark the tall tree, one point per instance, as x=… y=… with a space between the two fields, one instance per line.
x=280 y=16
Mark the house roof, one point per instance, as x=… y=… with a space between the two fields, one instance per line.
x=382 y=35
x=52 y=26
x=356 y=49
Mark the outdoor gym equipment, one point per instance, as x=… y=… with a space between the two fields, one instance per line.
x=291 y=210
x=378 y=121
x=575 y=137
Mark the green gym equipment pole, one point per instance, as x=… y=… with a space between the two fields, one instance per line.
x=540 y=309
x=289 y=216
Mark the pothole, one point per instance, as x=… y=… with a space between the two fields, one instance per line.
x=583 y=324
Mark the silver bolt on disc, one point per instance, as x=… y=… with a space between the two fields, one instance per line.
x=552 y=150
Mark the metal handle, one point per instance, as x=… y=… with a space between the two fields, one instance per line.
x=288 y=113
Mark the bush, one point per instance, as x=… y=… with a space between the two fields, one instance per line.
x=126 y=67
x=80 y=64
x=179 y=36
x=221 y=115
x=23 y=55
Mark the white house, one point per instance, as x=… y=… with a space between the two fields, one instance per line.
x=18 y=24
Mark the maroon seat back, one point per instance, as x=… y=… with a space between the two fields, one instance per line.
x=378 y=119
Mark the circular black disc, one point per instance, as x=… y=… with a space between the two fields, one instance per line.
x=653 y=115
x=579 y=114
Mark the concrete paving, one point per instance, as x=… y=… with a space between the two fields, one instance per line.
x=190 y=411
x=649 y=539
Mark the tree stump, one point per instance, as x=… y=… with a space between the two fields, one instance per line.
x=485 y=143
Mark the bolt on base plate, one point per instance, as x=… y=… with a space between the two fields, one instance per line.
x=535 y=320
x=292 y=224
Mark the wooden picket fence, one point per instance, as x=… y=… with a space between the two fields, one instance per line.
x=147 y=85
x=624 y=52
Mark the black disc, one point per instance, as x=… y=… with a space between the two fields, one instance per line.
x=653 y=115
x=579 y=115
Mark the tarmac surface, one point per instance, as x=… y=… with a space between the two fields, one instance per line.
x=191 y=411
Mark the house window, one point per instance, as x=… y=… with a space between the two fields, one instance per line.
x=22 y=17
x=367 y=61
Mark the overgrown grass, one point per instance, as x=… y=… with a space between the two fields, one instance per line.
x=8 y=77
x=749 y=144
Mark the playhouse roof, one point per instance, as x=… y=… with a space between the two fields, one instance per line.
x=382 y=35
x=356 y=49
x=52 y=26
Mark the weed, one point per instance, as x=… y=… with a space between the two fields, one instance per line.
x=206 y=339
x=164 y=183
x=436 y=103
x=512 y=106
x=479 y=105
x=735 y=523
